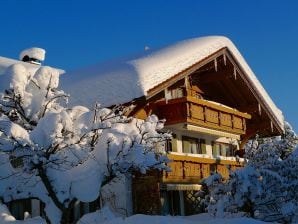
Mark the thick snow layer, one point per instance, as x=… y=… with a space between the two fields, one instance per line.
x=123 y=80
x=100 y=216
x=34 y=52
x=146 y=219
x=32 y=68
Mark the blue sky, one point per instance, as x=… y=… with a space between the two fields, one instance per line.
x=79 y=33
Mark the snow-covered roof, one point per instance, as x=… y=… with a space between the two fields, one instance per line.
x=34 y=52
x=123 y=80
x=7 y=62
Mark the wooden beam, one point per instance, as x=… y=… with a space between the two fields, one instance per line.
x=257 y=127
x=251 y=108
x=252 y=131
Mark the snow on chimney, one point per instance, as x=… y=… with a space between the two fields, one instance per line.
x=33 y=55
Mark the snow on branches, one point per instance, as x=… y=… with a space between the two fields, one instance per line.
x=58 y=154
x=266 y=188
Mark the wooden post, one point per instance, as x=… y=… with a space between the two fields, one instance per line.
x=187 y=86
x=166 y=95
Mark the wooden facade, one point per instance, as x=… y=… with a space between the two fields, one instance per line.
x=185 y=170
x=202 y=113
x=190 y=169
x=214 y=96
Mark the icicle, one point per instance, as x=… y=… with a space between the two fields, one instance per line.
x=260 y=109
x=215 y=64
x=235 y=73
x=271 y=125
x=225 y=59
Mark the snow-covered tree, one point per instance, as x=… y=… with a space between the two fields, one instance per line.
x=58 y=154
x=266 y=188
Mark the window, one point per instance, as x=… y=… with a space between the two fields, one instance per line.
x=177 y=90
x=168 y=145
x=171 y=144
x=222 y=149
x=171 y=204
x=180 y=203
x=193 y=145
x=18 y=208
x=176 y=93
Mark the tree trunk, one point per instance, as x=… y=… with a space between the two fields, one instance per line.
x=66 y=217
x=66 y=213
x=52 y=194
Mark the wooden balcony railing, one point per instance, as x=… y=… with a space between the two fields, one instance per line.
x=190 y=169
x=202 y=113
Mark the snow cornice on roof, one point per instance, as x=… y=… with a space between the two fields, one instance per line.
x=127 y=79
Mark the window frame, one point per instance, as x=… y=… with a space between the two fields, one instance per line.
x=199 y=142
x=229 y=151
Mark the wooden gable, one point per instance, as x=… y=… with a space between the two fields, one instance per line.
x=219 y=78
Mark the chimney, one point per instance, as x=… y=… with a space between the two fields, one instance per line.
x=33 y=55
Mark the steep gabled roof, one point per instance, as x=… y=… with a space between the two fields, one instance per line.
x=124 y=80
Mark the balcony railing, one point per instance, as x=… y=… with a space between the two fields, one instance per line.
x=190 y=169
x=202 y=113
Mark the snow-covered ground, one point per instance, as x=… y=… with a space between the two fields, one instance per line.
x=195 y=219
x=105 y=216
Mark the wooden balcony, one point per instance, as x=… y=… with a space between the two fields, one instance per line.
x=202 y=113
x=190 y=169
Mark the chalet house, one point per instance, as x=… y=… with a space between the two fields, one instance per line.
x=212 y=102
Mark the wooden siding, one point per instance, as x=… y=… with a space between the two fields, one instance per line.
x=188 y=169
x=202 y=113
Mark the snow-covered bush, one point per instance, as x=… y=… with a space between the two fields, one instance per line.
x=58 y=154
x=266 y=188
